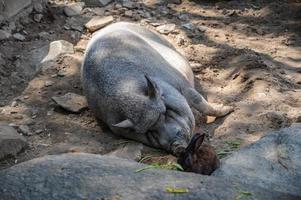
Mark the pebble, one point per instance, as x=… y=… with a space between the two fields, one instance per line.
x=19 y=36
x=128 y=13
x=14 y=103
x=98 y=22
x=24 y=129
x=37 y=17
x=166 y=28
x=71 y=102
x=189 y=26
x=48 y=83
x=4 y=35
x=74 y=9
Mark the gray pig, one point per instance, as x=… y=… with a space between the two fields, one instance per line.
x=142 y=88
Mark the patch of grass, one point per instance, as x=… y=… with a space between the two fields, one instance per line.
x=121 y=142
x=145 y=158
x=176 y=190
x=169 y=166
x=223 y=153
x=242 y=194
x=233 y=144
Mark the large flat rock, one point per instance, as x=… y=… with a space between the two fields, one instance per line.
x=89 y=176
x=10 y=8
x=274 y=162
x=11 y=142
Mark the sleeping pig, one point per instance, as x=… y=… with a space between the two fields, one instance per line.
x=142 y=88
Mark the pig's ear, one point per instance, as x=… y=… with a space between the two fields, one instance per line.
x=153 y=90
x=124 y=124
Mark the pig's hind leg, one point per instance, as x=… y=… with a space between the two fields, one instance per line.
x=197 y=101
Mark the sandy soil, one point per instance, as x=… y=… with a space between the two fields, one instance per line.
x=243 y=53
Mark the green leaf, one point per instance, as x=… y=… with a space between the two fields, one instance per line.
x=145 y=168
x=178 y=167
x=233 y=144
x=169 y=166
x=176 y=190
x=243 y=194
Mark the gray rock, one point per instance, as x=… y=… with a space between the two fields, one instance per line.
x=128 y=4
x=13 y=7
x=71 y=102
x=37 y=17
x=202 y=28
x=74 y=24
x=128 y=13
x=98 y=11
x=11 y=142
x=38 y=7
x=189 y=26
x=166 y=28
x=19 y=36
x=24 y=129
x=89 y=176
x=98 y=22
x=93 y=3
x=183 y=17
x=74 y=9
x=58 y=48
x=4 y=35
x=274 y=162
x=129 y=151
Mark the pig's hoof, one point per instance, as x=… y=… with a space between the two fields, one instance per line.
x=221 y=110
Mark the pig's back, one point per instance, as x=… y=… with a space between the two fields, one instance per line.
x=125 y=51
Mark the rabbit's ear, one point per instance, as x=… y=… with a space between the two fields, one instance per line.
x=199 y=141
x=196 y=140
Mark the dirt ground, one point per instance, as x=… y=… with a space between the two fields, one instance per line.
x=243 y=53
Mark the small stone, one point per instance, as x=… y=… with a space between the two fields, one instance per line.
x=202 y=28
x=166 y=28
x=37 y=17
x=38 y=7
x=130 y=151
x=183 y=17
x=24 y=129
x=14 y=103
x=4 y=35
x=118 y=6
x=180 y=40
x=39 y=131
x=48 y=83
x=98 y=11
x=128 y=13
x=71 y=102
x=50 y=112
x=74 y=9
x=11 y=142
x=19 y=36
x=189 y=26
x=13 y=125
x=92 y=3
x=98 y=22
x=81 y=45
x=210 y=119
x=233 y=13
x=58 y=48
x=128 y=4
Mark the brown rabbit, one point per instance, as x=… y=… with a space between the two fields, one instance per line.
x=199 y=157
